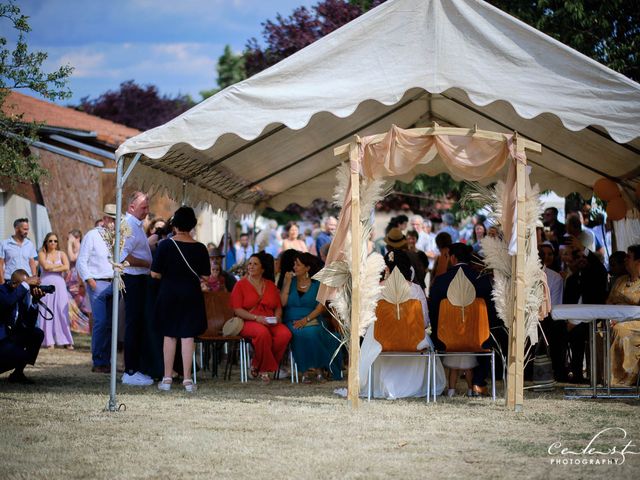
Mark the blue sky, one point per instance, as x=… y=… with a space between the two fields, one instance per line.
x=174 y=44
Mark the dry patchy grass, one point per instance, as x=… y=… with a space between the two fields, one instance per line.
x=58 y=429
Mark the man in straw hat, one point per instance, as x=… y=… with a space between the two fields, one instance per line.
x=396 y=240
x=95 y=269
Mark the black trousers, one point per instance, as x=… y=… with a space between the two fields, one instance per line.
x=556 y=333
x=483 y=370
x=20 y=348
x=578 y=337
x=134 y=305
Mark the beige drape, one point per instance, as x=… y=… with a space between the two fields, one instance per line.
x=471 y=158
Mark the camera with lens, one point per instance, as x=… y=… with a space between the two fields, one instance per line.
x=47 y=288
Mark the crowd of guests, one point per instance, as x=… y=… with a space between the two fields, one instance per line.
x=269 y=280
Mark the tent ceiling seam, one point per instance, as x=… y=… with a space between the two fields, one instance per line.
x=344 y=137
x=544 y=145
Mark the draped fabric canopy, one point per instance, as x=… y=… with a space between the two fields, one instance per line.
x=400 y=151
x=269 y=139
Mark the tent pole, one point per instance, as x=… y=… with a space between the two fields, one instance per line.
x=354 y=350
x=521 y=229
x=113 y=405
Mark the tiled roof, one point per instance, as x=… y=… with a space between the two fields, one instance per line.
x=33 y=109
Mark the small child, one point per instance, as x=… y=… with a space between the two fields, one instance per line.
x=216 y=280
x=456 y=364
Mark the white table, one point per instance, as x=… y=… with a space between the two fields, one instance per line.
x=589 y=313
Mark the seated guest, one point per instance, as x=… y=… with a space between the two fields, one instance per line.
x=292 y=240
x=555 y=331
x=256 y=299
x=20 y=339
x=180 y=264
x=460 y=257
x=215 y=283
x=441 y=264
x=286 y=260
x=396 y=240
x=617 y=267
x=625 y=345
x=312 y=345
x=399 y=377
x=216 y=256
x=479 y=232
x=586 y=283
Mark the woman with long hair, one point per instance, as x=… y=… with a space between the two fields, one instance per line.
x=292 y=241
x=255 y=299
x=55 y=264
x=312 y=345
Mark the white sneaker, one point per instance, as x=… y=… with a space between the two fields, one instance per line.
x=451 y=392
x=138 y=379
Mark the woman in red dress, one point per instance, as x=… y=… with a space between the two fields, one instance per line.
x=255 y=298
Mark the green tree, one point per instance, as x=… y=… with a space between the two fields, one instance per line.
x=608 y=32
x=230 y=70
x=22 y=69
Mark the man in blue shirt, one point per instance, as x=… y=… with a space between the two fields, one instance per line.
x=330 y=225
x=17 y=252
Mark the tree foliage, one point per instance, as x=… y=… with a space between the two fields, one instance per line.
x=230 y=70
x=21 y=69
x=136 y=106
x=608 y=32
x=287 y=35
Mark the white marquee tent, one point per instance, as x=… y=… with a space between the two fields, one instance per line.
x=269 y=140
x=408 y=62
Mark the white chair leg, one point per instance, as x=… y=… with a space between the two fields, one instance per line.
x=291 y=364
x=201 y=355
x=369 y=383
x=428 y=365
x=433 y=377
x=493 y=375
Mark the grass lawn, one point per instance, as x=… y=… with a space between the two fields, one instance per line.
x=58 y=429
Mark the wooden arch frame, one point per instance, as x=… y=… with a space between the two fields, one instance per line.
x=515 y=357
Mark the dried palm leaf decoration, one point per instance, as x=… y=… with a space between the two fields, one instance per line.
x=461 y=292
x=396 y=290
x=338 y=274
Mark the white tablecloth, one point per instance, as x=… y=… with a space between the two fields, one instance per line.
x=587 y=312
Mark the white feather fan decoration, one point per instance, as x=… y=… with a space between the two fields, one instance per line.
x=339 y=274
x=497 y=258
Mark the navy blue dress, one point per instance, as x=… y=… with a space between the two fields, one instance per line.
x=180 y=310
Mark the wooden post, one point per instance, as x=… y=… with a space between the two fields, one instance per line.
x=354 y=350
x=511 y=355
x=519 y=324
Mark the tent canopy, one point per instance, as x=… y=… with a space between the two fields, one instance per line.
x=269 y=139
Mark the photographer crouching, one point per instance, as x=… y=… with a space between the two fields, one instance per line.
x=20 y=339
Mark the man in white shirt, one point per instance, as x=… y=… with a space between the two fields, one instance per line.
x=243 y=250
x=94 y=267
x=137 y=253
x=17 y=252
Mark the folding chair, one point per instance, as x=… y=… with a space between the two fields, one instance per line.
x=218 y=312
x=463 y=330
x=400 y=337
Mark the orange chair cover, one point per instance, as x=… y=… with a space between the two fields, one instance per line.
x=466 y=335
x=401 y=335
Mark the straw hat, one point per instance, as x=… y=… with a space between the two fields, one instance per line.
x=395 y=238
x=110 y=210
x=232 y=327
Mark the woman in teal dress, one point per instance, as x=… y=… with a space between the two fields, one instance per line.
x=312 y=344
